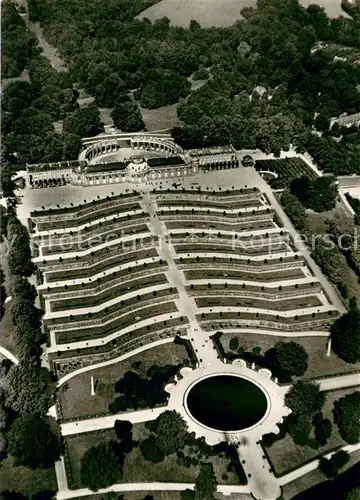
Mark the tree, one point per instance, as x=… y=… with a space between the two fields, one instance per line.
x=187 y=495
x=318 y=194
x=28 y=388
x=151 y=451
x=332 y=466
x=19 y=256
x=3 y=222
x=127 y=117
x=291 y=358
x=299 y=427
x=32 y=443
x=322 y=429
x=205 y=483
x=296 y=212
x=100 y=467
x=347 y=417
x=123 y=430
x=171 y=430
x=72 y=146
x=353 y=494
x=305 y=398
x=84 y=122
x=345 y=336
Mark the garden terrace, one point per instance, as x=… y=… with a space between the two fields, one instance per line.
x=256 y=266
x=267 y=292
x=226 y=246
x=110 y=292
x=229 y=273
x=284 y=304
x=259 y=319
x=218 y=223
x=77 y=210
x=98 y=281
x=126 y=342
x=80 y=244
x=53 y=224
x=233 y=205
x=286 y=169
x=104 y=311
x=95 y=262
x=93 y=228
x=228 y=193
x=114 y=327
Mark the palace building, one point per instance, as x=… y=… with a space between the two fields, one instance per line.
x=137 y=157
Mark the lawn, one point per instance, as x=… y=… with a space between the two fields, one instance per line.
x=285 y=455
x=318 y=226
x=291 y=490
x=26 y=481
x=162 y=118
x=136 y=468
x=319 y=364
x=76 y=401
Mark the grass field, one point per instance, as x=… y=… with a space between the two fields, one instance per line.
x=319 y=364
x=26 y=481
x=285 y=455
x=136 y=468
x=77 y=402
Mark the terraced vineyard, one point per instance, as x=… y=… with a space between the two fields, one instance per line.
x=109 y=272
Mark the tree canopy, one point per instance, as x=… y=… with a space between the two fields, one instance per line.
x=32 y=443
x=100 y=466
x=345 y=335
x=205 y=483
x=171 y=431
x=291 y=357
x=318 y=194
x=305 y=397
x=333 y=465
x=347 y=417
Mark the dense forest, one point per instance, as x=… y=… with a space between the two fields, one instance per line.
x=267 y=86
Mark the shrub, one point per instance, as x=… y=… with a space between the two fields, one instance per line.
x=234 y=343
